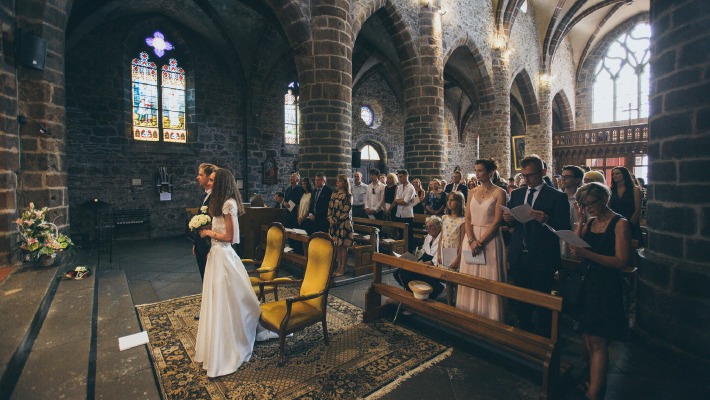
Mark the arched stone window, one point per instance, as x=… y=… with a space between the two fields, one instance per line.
x=369 y=153
x=158 y=98
x=292 y=115
x=621 y=80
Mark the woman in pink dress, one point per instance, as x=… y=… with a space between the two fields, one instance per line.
x=482 y=234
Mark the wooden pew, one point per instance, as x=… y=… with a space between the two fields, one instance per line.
x=539 y=349
x=388 y=245
x=419 y=228
x=363 y=248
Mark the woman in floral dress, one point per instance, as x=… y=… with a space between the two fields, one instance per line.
x=341 y=221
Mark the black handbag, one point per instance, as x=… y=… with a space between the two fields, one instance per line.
x=572 y=290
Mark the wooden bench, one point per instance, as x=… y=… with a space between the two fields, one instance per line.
x=388 y=245
x=419 y=228
x=539 y=349
x=366 y=243
x=130 y=219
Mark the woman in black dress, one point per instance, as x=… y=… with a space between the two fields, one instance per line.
x=603 y=317
x=626 y=199
x=390 y=192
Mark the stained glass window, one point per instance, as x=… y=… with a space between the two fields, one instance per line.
x=158 y=101
x=173 y=103
x=622 y=77
x=367 y=116
x=291 y=114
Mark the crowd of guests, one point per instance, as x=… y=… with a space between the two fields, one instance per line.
x=468 y=231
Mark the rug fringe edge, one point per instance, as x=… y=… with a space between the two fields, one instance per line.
x=165 y=301
x=409 y=374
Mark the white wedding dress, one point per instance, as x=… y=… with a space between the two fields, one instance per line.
x=230 y=311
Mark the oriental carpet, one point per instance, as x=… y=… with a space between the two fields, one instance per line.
x=361 y=361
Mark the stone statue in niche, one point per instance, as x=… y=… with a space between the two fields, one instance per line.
x=271 y=171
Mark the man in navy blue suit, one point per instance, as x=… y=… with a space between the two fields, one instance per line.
x=318 y=211
x=534 y=251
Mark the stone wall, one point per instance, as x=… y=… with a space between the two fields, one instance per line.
x=103 y=159
x=388 y=131
x=674 y=304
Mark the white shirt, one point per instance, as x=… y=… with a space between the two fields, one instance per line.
x=359 y=193
x=406 y=193
x=374 y=196
x=431 y=245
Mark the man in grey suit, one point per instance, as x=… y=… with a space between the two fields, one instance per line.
x=534 y=251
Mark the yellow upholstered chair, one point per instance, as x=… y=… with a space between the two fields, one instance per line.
x=267 y=268
x=309 y=307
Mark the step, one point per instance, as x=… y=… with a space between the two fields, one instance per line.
x=25 y=296
x=124 y=374
x=57 y=366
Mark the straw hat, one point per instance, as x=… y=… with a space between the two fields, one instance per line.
x=420 y=289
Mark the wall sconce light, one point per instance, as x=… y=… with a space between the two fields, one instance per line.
x=546 y=79
x=499 y=42
x=21 y=119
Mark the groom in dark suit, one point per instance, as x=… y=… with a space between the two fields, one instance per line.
x=202 y=246
x=318 y=211
x=534 y=251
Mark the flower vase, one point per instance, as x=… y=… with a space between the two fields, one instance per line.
x=45 y=261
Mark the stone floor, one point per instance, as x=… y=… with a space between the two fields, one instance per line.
x=162 y=269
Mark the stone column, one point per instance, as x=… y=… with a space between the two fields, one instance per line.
x=325 y=79
x=495 y=127
x=674 y=273
x=538 y=138
x=424 y=101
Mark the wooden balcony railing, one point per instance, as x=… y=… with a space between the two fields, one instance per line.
x=611 y=135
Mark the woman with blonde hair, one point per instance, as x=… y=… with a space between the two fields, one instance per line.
x=340 y=218
x=389 y=207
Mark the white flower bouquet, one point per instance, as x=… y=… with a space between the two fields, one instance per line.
x=199 y=221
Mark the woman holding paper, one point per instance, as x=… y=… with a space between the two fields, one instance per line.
x=483 y=235
x=602 y=317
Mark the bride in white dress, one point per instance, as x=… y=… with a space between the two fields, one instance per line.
x=229 y=315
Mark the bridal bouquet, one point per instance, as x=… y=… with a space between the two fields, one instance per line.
x=199 y=221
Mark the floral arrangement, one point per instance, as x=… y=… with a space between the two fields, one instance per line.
x=40 y=238
x=199 y=221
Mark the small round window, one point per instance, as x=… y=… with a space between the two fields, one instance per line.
x=367 y=116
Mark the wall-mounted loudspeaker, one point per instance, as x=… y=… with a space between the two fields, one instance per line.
x=356 y=158
x=33 y=51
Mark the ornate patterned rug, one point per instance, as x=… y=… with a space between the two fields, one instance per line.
x=362 y=360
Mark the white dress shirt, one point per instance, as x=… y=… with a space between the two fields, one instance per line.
x=374 y=196
x=359 y=192
x=406 y=193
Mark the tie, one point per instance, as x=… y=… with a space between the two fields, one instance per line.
x=526 y=233
x=531 y=195
x=317 y=194
x=202 y=198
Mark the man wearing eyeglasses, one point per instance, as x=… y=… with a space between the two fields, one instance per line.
x=570 y=181
x=534 y=251
x=375 y=195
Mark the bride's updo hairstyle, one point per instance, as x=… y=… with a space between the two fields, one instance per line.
x=224 y=187
x=488 y=163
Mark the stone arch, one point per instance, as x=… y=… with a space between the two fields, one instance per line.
x=561 y=103
x=294 y=22
x=481 y=75
x=527 y=91
x=397 y=28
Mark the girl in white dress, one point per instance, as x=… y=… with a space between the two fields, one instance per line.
x=483 y=220
x=229 y=315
